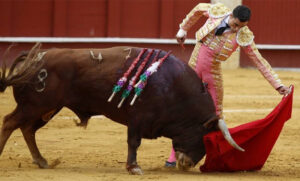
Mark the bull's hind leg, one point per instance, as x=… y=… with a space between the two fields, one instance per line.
x=134 y=141
x=11 y=122
x=29 y=131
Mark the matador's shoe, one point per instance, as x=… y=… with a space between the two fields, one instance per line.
x=170 y=164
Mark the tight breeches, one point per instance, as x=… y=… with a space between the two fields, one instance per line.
x=209 y=70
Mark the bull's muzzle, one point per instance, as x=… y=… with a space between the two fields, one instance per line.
x=184 y=162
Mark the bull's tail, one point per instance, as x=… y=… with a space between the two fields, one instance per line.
x=23 y=68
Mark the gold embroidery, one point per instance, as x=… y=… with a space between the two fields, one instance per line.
x=207 y=28
x=220 y=43
x=218 y=86
x=224 y=55
x=194 y=15
x=226 y=48
x=193 y=59
x=244 y=36
x=218 y=10
x=263 y=66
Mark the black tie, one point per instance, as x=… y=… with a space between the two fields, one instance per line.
x=221 y=30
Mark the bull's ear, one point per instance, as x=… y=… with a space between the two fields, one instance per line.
x=212 y=123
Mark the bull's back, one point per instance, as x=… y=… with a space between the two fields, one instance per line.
x=83 y=84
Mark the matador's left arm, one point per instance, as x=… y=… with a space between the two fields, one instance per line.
x=245 y=40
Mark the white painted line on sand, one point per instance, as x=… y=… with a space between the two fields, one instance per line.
x=246 y=110
x=75 y=117
x=257 y=96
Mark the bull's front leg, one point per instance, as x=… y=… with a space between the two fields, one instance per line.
x=134 y=141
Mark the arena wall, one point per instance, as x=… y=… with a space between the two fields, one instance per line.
x=274 y=22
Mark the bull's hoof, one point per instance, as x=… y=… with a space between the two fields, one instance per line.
x=134 y=170
x=42 y=163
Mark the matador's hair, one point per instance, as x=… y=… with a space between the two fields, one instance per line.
x=243 y=13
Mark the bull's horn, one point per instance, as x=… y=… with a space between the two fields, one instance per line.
x=222 y=126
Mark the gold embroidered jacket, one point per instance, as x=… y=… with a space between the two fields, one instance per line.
x=243 y=38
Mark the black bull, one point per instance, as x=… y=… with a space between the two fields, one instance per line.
x=174 y=104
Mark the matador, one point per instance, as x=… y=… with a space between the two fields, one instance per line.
x=223 y=32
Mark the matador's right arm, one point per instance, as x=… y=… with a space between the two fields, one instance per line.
x=191 y=18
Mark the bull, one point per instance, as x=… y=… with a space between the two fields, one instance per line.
x=175 y=103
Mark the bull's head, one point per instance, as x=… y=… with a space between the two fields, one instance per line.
x=189 y=158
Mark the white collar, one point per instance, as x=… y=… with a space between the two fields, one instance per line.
x=226 y=20
x=223 y=22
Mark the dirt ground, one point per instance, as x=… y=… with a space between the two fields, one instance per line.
x=99 y=152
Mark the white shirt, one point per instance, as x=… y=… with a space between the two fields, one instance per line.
x=223 y=24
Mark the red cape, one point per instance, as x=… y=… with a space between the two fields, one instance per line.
x=257 y=138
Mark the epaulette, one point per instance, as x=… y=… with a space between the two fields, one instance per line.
x=244 y=36
x=218 y=10
x=204 y=6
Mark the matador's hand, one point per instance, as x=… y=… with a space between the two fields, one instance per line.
x=283 y=90
x=180 y=40
x=180 y=36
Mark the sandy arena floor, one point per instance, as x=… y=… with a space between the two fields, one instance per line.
x=99 y=152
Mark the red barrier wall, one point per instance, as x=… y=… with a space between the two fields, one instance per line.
x=273 y=21
x=94 y=18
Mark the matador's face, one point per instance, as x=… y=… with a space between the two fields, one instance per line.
x=235 y=24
